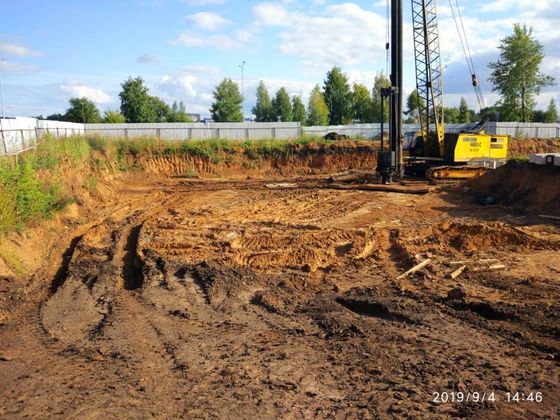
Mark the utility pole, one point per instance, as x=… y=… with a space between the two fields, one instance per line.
x=242 y=66
x=1 y=96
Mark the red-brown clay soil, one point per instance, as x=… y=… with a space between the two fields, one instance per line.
x=525 y=147
x=230 y=299
x=523 y=186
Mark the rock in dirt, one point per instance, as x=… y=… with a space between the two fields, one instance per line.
x=335 y=136
x=457 y=293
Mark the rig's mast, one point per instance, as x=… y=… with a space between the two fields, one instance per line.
x=429 y=75
x=389 y=162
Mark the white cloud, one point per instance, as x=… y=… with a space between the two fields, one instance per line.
x=208 y=21
x=219 y=41
x=10 y=67
x=95 y=94
x=343 y=35
x=271 y=14
x=193 y=85
x=17 y=50
x=148 y=59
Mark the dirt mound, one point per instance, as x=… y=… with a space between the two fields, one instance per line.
x=525 y=147
x=523 y=186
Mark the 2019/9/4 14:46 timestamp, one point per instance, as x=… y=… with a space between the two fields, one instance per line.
x=490 y=396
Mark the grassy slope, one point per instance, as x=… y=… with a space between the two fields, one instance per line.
x=33 y=187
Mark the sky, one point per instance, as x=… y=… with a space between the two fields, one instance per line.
x=53 y=50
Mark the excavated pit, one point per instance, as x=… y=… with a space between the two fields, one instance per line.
x=227 y=298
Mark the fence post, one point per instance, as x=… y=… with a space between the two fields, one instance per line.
x=274 y=133
x=57 y=133
x=4 y=142
x=36 y=136
x=246 y=134
x=126 y=133
x=22 y=140
x=189 y=135
x=217 y=133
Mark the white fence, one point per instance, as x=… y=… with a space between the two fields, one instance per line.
x=19 y=134
x=369 y=131
x=529 y=130
x=199 y=131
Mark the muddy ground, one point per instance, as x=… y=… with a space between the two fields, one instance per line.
x=233 y=299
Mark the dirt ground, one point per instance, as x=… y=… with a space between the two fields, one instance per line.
x=246 y=299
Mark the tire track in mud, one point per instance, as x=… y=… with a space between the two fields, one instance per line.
x=215 y=309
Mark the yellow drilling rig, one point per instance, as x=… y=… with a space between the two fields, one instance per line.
x=433 y=152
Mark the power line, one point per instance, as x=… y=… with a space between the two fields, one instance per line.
x=461 y=30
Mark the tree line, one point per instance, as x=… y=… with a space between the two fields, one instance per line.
x=516 y=76
x=137 y=106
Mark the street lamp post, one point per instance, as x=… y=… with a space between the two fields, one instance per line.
x=1 y=95
x=242 y=66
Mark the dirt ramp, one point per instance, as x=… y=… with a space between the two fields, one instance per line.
x=523 y=186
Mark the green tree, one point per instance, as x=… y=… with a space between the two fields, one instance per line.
x=227 y=102
x=158 y=109
x=338 y=97
x=413 y=104
x=317 y=109
x=451 y=115
x=491 y=113
x=56 y=117
x=178 y=113
x=113 y=117
x=298 y=110
x=464 y=113
x=362 y=103
x=82 y=110
x=551 y=114
x=516 y=75
x=136 y=104
x=538 y=116
x=282 y=106
x=381 y=82
x=263 y=109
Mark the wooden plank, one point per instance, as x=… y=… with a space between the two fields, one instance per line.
x=416 y=268
x=482 y=261
x=494 y=267
x=457 y=272
x=545 y=216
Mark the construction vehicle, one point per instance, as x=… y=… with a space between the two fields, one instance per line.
x=434 y=153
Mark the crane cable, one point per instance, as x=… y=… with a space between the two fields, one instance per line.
x=459 y=23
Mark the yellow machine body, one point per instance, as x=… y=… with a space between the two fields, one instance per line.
x=468 y=147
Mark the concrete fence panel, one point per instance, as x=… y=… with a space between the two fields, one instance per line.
x=19 y=134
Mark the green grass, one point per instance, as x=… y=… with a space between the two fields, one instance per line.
x=34 y=186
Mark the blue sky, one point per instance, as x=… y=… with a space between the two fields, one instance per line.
x=53 y=50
